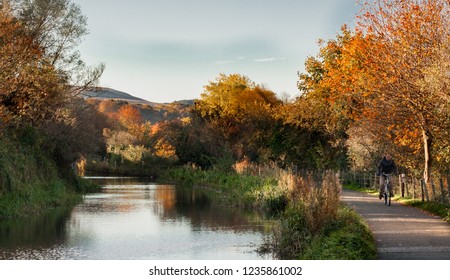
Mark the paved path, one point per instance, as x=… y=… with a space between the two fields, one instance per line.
x=402 y=232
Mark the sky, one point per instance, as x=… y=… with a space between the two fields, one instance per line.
x=168 y=50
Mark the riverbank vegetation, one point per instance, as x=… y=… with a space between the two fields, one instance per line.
x=30 y=180
x=311 y=221
x=44 y=125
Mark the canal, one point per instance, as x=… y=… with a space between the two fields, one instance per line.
x=136 y=219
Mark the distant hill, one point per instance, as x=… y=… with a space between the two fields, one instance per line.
x=150 y=111
x=108 y=93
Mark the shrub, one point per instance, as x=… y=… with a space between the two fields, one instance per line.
x=312 y=206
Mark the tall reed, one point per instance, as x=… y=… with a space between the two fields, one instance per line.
x=313 y=204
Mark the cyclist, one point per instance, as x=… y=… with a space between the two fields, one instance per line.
x=386 y=166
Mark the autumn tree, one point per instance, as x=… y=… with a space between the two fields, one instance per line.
x=327 y=105
x=240 y=111
x=129 y=116
x=190 y=142
x=406 y=54
x=387 y=79
x=39 y=73
x=29 y=85
x=78 y=133
x=57 y=26
x=41 y=68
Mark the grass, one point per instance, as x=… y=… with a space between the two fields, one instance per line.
x=317 y=226
x=31 y=183
x=355 y=187
x=243 y=191
x=346 y=238
x=36 y=199
x=439 y=209
x=312 y=224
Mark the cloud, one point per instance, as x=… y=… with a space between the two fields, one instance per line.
x=269 y=59
x=220 y=62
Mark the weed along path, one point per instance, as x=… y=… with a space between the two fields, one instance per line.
x=402 y=232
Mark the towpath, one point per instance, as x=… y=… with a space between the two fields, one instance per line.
x=402 y=232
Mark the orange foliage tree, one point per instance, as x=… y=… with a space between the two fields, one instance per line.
x=238 y=110
x=41 y=74
x=388 y=77
x=406 y=54
x=29 y=86
x=129 y=116
x=131 y=119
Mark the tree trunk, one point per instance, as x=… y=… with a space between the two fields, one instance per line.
x=427 y=141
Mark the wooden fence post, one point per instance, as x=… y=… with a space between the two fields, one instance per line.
x=414 y=182
x=402 y=184
x=376 y=183
x=433 y=190
x=406 y=185
x=441 y=185
x=448 y=188
x=422 y=183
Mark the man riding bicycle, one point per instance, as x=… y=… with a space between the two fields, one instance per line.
x=386 y=167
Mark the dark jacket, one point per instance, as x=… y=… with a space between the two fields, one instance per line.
x=387 y=166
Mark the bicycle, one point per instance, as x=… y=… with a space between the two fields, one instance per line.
x=386 y=194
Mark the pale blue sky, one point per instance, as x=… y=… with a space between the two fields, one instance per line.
x=167 y=50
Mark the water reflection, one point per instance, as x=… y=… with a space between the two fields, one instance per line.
x=195 y=205
x=44 y=230
x=135 y=219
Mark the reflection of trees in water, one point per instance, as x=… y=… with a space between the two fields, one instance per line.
x=177 y=203
x=114 y=181
x=120 y=201
x=46 y=230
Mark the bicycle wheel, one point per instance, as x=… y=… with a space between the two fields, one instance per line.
x=386 y=197
x=388 y=191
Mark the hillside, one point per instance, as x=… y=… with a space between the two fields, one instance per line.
x=111 y=100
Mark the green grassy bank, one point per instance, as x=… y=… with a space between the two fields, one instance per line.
x=311 y=221
x=243 y=191
x=32 y=183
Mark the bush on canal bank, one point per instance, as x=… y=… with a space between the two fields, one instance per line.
x=347 y=237
x=243 y=191
x=31 y=182
x=312 y=223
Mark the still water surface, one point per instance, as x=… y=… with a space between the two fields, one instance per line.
x=134 y=219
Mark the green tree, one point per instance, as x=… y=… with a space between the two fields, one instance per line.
x=193 y=140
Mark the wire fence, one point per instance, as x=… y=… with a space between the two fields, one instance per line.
x=406 y=185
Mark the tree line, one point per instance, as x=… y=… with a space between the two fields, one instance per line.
x=387 y=79
x=382 y=85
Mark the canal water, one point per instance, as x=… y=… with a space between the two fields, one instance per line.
x=133 y=219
